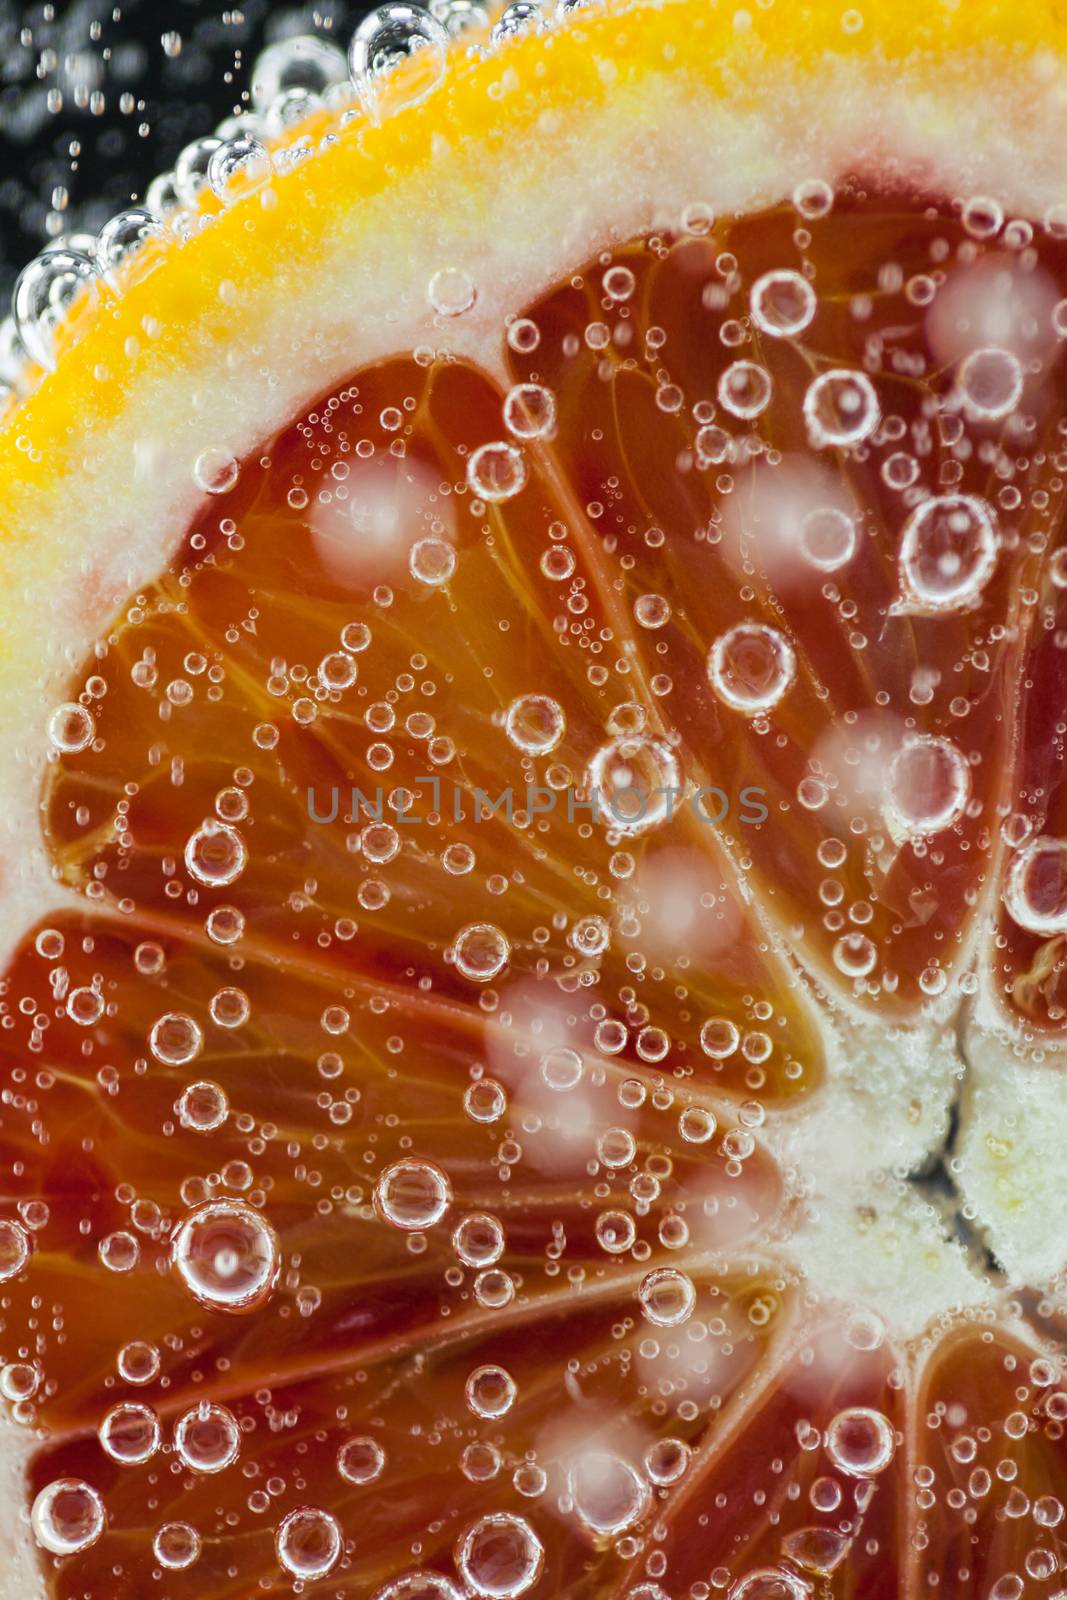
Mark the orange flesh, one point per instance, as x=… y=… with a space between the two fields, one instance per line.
x=363 y=1035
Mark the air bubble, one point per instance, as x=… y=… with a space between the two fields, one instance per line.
x=667 y=1297
x=478 y=1239
x=451 y=291
x=783 y=304
x=395 y=33
x=215 y=854
x=207 y=1438
x=991 y=383
x=827 y=538
x=300 y=62
x=419 y=1586
x=490 y=1391
x=71 y=728
x=948 y=552
x=928 y=786
x=238 y=168
x=176 y=1039
x=412 y=1195
x=481 y=952
x=67 y=1516
x=216 y=471
x=308 y=1543
x=130 y=1433
x=535 y=724
x=633 y=782
x=608 y=1493
x=745 y=389
x=44 y=293
x=751 y=667
x=496 y=471
x=203 y=1107
x=176 y=1546
x=361 y=1460
x=227 y=1255
x=14 y=1249
x=841 y=408
x=530 y=411
x=120 y=241
x=500 y=1556
x=562 y=1068
x=860 y=1442
x=432 y=562
x=1036 y=890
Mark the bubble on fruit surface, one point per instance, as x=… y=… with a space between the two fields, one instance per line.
x=1035 y=893
x=529 y=411
x=361 y=1460
x=616 y=1232
x=697 y=1125
x=667 y=1461
x=419 y=1586
x=562 y=1068
x=389 y=36
x=175 y=1039
x=71 y=728
x=120 y=242
x=67 y=1516
x=745 y=389
x=44 y=293
x=490 y=1391
x=412 y=1195
x=478 y=1239
x=841 y=408
x=500 y=1556
x=14 y=1248
x=238 y=168
x=667 y=1296
x=854 y=955
x=751 y=666
x=827 y=538
x=481 y=951
x=485 y=1101
x=216 y=471
x=451 y=291
x=227 y=1255
x=215 y=854
x=633 y=781
x=990 y=383
x=203 y=1107
x=770 y=1583
x=928 y=786
x=782 y=303
x=518 y=18
x=19 y=1380
x=130 y=1433
x=535 y=723
x=432 y=562
x=300 y=62
x=207 y=1438
x=176 y=1546
x=719 y=1038
x=308 y=1542
x=496 y=471
x=609 y=1494
x=191 y=168
x=138 y=1362
x=948 y=551
x=860 y=1441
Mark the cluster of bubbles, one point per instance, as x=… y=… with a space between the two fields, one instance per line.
x=290 y=80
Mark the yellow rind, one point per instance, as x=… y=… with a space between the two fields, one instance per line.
x=712 y=48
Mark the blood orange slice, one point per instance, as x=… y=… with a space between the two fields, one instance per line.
x=533 y=1030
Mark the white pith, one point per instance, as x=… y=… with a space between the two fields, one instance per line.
x=862 y=1234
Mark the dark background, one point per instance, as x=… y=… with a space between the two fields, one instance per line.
x=92 y=105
